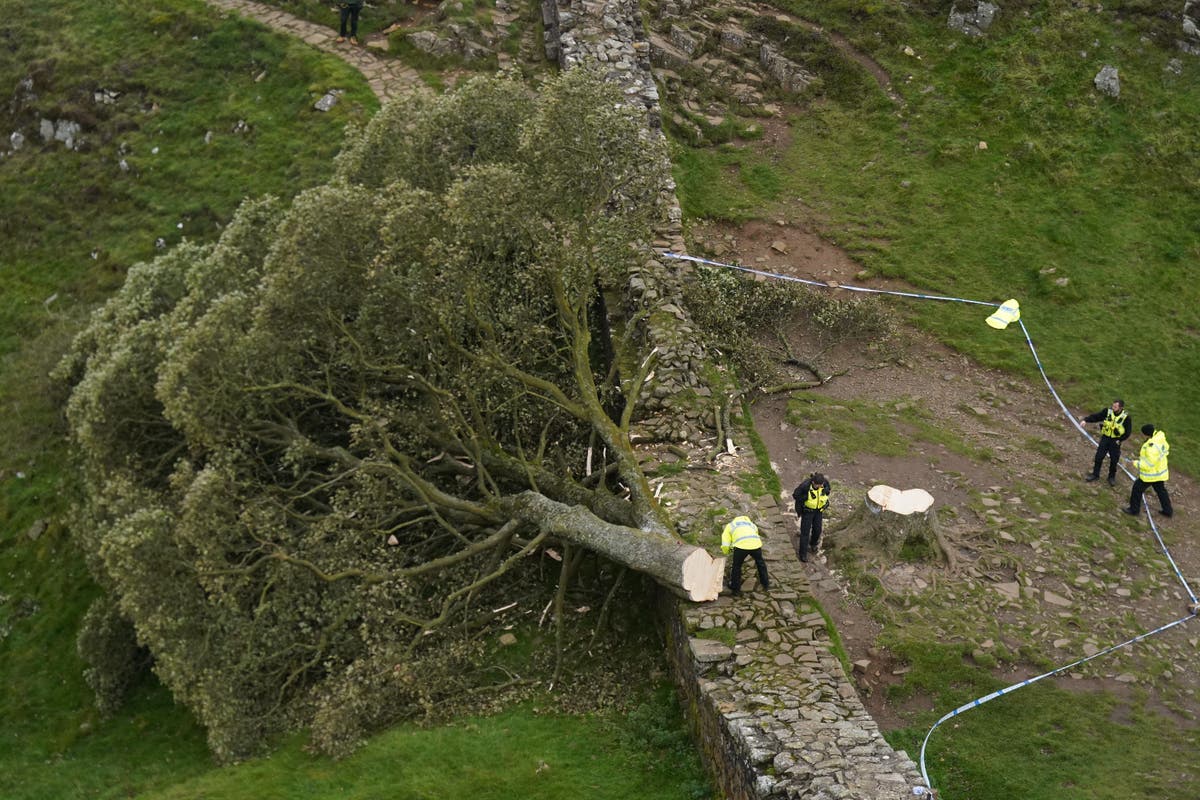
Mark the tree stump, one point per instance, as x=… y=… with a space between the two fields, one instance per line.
x=889 y=518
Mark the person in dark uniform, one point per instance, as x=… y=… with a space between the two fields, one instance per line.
x=811 y=498
x=1115 y=428
x=348 y=14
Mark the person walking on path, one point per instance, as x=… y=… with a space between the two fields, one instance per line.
x=741 y=535
x=1115 y=429
x=811 y=496
x=1152 y=472
x=349 y=14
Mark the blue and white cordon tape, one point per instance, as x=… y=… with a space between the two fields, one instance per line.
x=1006 y=313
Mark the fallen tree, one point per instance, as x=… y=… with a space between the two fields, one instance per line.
x=319 y=454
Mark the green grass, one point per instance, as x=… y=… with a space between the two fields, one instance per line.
x=518 y=754
x=884 y=429
x=724 y=182
x=1072 y=185
x=1038 y=742
x=726 y=636
x=764 y=481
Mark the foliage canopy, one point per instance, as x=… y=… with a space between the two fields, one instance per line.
x=318 y=452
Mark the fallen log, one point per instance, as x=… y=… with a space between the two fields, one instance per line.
x=686 y=570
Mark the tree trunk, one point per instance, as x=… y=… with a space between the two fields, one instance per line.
x=888 y=518
x=686 y=570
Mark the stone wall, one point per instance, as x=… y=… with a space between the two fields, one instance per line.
x=608 y=34
x=771 y=706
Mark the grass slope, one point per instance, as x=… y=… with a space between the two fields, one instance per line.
x=510 y=756
x=1039 y=743
x=1004 y=173
x=1072 y=185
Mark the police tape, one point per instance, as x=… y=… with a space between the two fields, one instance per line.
x=848 y=287
x=1024 y=683
x=1149 y=517
x=1006 y=313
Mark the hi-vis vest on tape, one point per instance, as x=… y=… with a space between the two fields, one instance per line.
x=1114 y=425
x=1008 y=312
x=742 y=534
x=1152 y=461
x=817 y=499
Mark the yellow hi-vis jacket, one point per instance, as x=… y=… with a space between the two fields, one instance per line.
x=1114 y=425
x=740 y=533
x=817 y=499
x=1152 y=460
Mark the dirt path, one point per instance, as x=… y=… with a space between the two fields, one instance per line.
x=846 y=48
x=1048 y=563
x=388 y=77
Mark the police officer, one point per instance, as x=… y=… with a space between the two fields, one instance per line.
x=811 y=496
x=1152 y=470
x=1115 y=429
x=741 y=535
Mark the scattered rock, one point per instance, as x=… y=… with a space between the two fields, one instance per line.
x=328 y=100
x=974 y=21
x=1108 y=82
x=1011 y=590
x=64 y=130
x=1055 y=599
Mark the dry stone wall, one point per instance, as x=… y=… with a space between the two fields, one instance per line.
x=608 y=35
x=771 y=705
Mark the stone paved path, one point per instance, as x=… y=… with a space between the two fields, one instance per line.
x=388 y=78
x=782 y=697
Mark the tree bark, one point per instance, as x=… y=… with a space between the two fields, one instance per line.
x=686 y=570
x=888 y=518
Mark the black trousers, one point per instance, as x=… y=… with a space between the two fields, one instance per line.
x=1160 y=489
x=349 y=14
x=1112 y=449
x=739 y=558
x=810 y=531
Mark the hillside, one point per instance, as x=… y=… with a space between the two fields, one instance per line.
x=988 y=168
